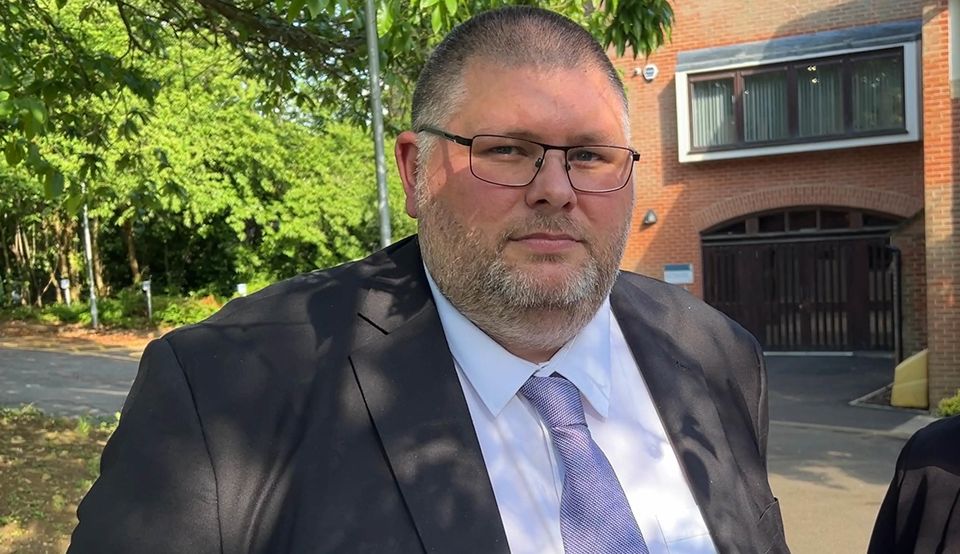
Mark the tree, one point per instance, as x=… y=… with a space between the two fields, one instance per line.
x=307 y=53
x=206 y=165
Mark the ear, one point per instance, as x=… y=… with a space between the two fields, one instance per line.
x=406 y=152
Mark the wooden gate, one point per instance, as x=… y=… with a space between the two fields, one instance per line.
x=806 y=295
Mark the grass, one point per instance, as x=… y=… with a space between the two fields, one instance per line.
x=47 y=464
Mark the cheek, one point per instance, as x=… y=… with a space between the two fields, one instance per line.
x=478 y=205
x=608 y=215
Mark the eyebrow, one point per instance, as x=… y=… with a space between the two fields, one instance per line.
x=583 y=138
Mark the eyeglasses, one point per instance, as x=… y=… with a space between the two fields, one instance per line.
x=513 y=162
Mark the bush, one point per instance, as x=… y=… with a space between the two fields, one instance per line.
x=173 y=311
x=127 y=309
x=950 y=406
x=61 y=313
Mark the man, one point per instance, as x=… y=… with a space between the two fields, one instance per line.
x=921 y=512
x=478 y=388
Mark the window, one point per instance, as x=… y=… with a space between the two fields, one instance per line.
x=765 y=106
x=777 y=224
x=819 y=99
x=877 y=91
x=841 y=97
x=713 y=113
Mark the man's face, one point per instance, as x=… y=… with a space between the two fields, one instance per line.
x=539 y=248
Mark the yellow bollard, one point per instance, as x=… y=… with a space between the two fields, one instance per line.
x=910 y=383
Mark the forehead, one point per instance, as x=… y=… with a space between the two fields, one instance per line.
x=545 y=102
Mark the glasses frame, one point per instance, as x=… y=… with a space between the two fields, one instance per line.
x=468 y=142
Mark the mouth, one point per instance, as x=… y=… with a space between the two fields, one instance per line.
x=546 y=242
x=546 y=236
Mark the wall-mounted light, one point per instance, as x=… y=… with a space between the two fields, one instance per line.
x=649 y=72
x=650 y=217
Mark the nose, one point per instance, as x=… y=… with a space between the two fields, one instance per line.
x=551 y=187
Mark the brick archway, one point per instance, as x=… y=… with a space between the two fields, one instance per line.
x=886 y=202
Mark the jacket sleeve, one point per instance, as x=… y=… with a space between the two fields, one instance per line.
x=156 y=491
x=763 y=410
x=884 y=538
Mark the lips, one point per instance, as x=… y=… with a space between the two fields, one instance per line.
x=546 y=243
x=546 y=237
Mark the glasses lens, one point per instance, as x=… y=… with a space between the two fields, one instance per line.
x=504 y=160
x=599 y=168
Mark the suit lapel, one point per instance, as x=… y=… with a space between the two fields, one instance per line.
x=408 y=381
x=689 y=413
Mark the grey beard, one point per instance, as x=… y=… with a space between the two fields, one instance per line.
x=513 y=308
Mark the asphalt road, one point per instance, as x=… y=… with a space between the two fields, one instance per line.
x=829 y=462
x=66 y=383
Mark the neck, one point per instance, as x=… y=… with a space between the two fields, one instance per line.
x=534 y=355
x=534 y=335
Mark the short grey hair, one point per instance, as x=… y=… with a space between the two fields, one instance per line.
x=513 y=36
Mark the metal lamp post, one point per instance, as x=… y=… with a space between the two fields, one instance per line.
x=373 y=51
x=88 y=254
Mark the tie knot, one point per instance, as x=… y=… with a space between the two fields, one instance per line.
x=556 y=399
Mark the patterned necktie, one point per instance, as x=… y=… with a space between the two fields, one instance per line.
x=594 y=514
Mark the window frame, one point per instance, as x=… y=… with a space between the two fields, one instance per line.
x=907 y=52
x=790 y=68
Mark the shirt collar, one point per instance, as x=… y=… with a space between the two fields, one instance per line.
x=497 y=375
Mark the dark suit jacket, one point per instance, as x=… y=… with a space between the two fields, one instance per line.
x=921 y=512
x=324 y=414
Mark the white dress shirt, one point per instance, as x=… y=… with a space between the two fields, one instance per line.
x=525 y=472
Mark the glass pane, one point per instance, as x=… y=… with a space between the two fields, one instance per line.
x=737 y=228
x=712 y=112
x=803 y=221
x=872 y=220
x=878 y=94
x=832 y=219
x=504 y=160
x=819 y=100
x=765 y=107
x=773 y=223
x=599 y=168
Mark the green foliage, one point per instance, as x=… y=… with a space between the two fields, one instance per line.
x=126 y=310
x=83 y=427
x=949 y=406
x=49 y=70
x=202 y=168
x=174 y=312
x=210 y=191
x=80 y=69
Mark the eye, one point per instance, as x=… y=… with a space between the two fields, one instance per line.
x=504 y=148
x=587 y=156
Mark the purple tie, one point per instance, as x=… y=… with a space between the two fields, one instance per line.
x=595 y=517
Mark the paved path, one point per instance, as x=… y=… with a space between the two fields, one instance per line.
x=829 y=462
x=89 y=383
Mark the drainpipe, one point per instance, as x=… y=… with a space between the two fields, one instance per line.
x=897 y=302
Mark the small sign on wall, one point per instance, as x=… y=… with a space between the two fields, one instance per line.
x=678 y=274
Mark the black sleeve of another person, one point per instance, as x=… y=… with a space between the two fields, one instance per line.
x=921 y=511
x=156 y=491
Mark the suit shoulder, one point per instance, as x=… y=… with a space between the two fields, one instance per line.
x=285 y=301
x=936 y=444
x=684 y=309
x=322 y=299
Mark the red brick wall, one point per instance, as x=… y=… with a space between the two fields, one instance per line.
x=942 y=205
x=681 y=195
x=913 y=284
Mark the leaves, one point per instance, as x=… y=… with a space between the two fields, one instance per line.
x=230 y=138
x=53 y=184
x=13 y=152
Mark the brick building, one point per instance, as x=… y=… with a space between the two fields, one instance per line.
x=800 y=171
